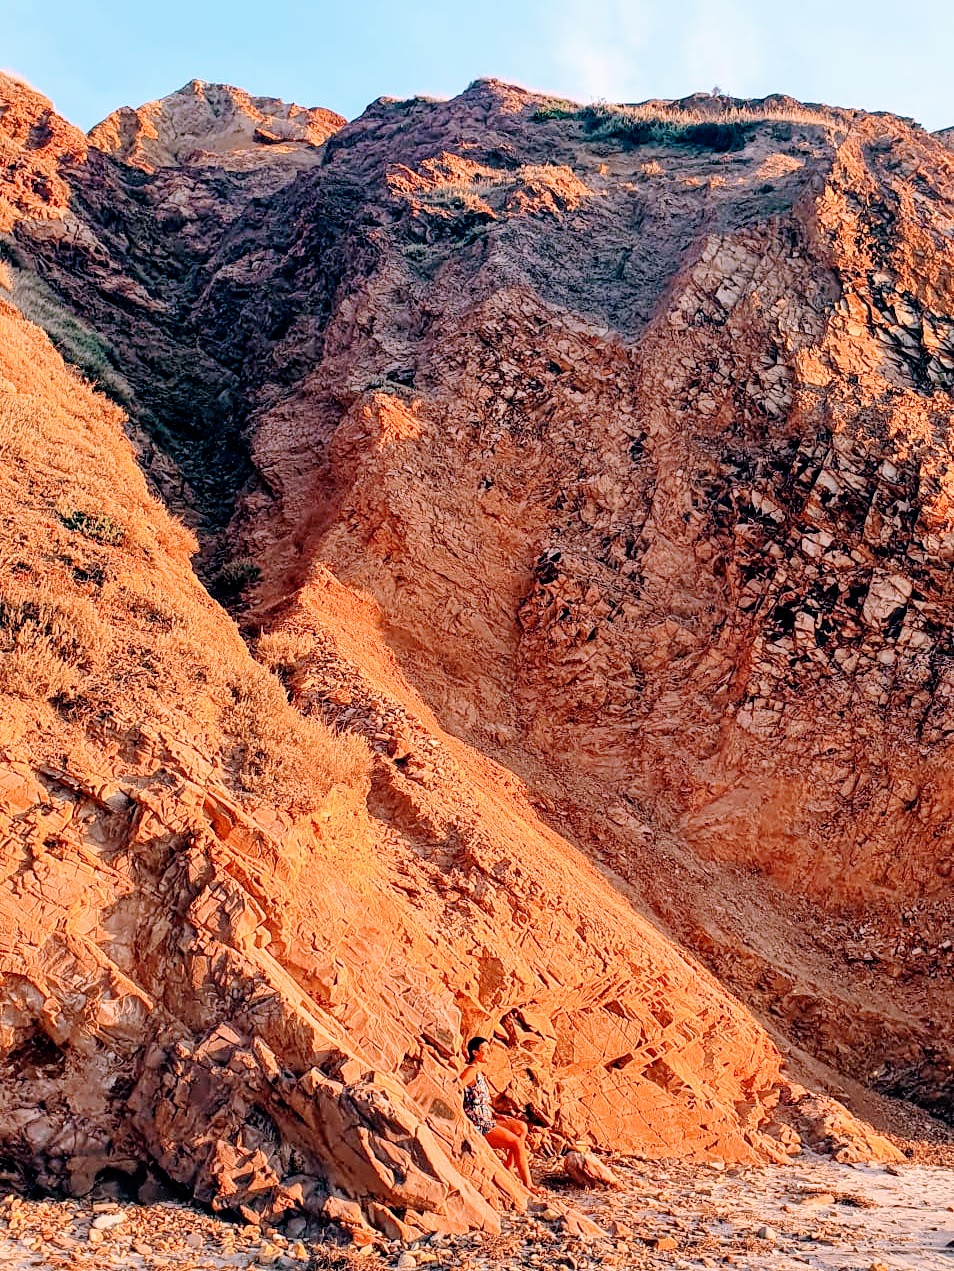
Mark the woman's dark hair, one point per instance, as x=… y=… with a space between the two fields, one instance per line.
x=474 y=1045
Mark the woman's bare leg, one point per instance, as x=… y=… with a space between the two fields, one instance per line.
x=519 y=1128
x=516 y=1148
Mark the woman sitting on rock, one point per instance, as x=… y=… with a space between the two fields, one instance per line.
x=507 y=1134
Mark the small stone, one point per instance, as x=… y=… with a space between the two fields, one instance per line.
x=664 y=1244
x=194 y=1240
x=767 y=1233
x=818 y=1198
x=406 y=1261
x=103 y=1222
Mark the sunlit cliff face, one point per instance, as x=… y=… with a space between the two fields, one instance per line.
x=571 y=498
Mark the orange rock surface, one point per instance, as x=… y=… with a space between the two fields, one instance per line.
x=581 y=492
x=34 y=143
x=212 y=124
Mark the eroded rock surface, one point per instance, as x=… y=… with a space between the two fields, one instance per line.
x=598 y=480
x=266 y=1004
x=35 y=142
x=657 y=439
x=212 y=124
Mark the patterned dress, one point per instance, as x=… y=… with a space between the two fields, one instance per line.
x=477 y=1105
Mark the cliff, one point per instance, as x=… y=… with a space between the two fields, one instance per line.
x=580 y=479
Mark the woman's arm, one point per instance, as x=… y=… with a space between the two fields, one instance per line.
x=468 y=1075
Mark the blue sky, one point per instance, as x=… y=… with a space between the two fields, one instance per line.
x=95 y=55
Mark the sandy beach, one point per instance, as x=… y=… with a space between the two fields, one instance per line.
x=814 y=1213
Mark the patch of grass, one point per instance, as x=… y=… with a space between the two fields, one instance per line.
x=78 y=343
x=98 y=527
x=78 y=523
x=719 y=137
x=557 y=108
x=634 y=129
x=15 y=424
x=464 y=196
x=283 y=651
x=49 y=643
x=655 y=123
x=234 y=579
x=279 y=755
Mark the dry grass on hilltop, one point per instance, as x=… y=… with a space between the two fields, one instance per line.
x=716 y=124
x=104 y=628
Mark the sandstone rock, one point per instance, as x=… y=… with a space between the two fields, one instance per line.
x=35 y=143
x=664 y=1244
x=587 y=1170
x=105 y=1222
x=829 y=1127
x=577 y=1224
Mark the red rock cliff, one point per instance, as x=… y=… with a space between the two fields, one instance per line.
x=590 y=466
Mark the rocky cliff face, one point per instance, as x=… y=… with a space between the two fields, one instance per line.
x=214 y=125
x=265 y=1003
x=593 y=467
x=34 y=143
x=650 y=421
x=725 y=469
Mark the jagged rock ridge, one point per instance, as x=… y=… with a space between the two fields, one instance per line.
x=212 y=124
